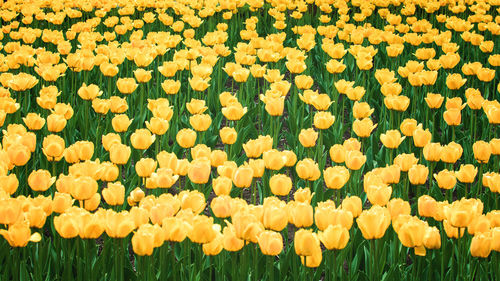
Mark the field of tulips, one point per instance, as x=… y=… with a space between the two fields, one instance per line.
x=249 y=140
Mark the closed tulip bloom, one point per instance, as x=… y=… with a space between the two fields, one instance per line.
x=171 y=87
x=199 y=84
x=308 y=169
x=474 y=99
x=363 y=128
x=418 y=174
x=304 y=242
x=361 y=110
x=143 y=242
x=56 y=122
x=432 y=151
x=405 y=161
x=337 y=153
x=479 y=224
x=355 y=160
x=234 y=111
x=119 y=154
x=114 y=194
x=451 y=231
x=53 y=147
x=482 y=151
x=397 y=207
x=34 y=121
x=175 y=229
x=228 y=135
x=199 y=171
x=374 y=222
x=157 y=126
x=145 y=167
x=398 y=103
x=118 y=225
x=40 y=180
x=411 y=234
x=222 y=185
x=214 y=247
x=270 y=243
x=221 y=206
x=83 y=188
x=467 y=173
x=117 y=104
x=480 y=245
x=379 y=194
x=142 y=75
x=200 y=122
x=452 y=117
x=421 y=137
x=391 y=89
x=142 y=139
x=427 y=206
x=434 y=101
x=326 y=214
x=308 y=137
x=120 y=123
x=66 y=225
x=186 y=138
x=243 y=176
x=274 y=159
x=92 y=203
x=247 y=226
x=9 y=183
x=335 y=237
x=455 y=81
x=280 y=184
x=336 y=177
x=20 y=154
x=89 y=92
x=323 y=120
x=275 y=217
x=230 y=242
x=126 y=85
x=432 y=238
x=451 y=152
x=391 y=139
x=408 y=126
x=301 y=214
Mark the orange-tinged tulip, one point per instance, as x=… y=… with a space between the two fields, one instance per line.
x=228 y=135
x=243 y=176
x=361 y=110
x=308 y=169
x=19 y=234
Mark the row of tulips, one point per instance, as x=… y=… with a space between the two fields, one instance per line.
x=202 y=140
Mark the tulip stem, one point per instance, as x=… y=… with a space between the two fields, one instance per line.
x=479 y=180
x=270 y=267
